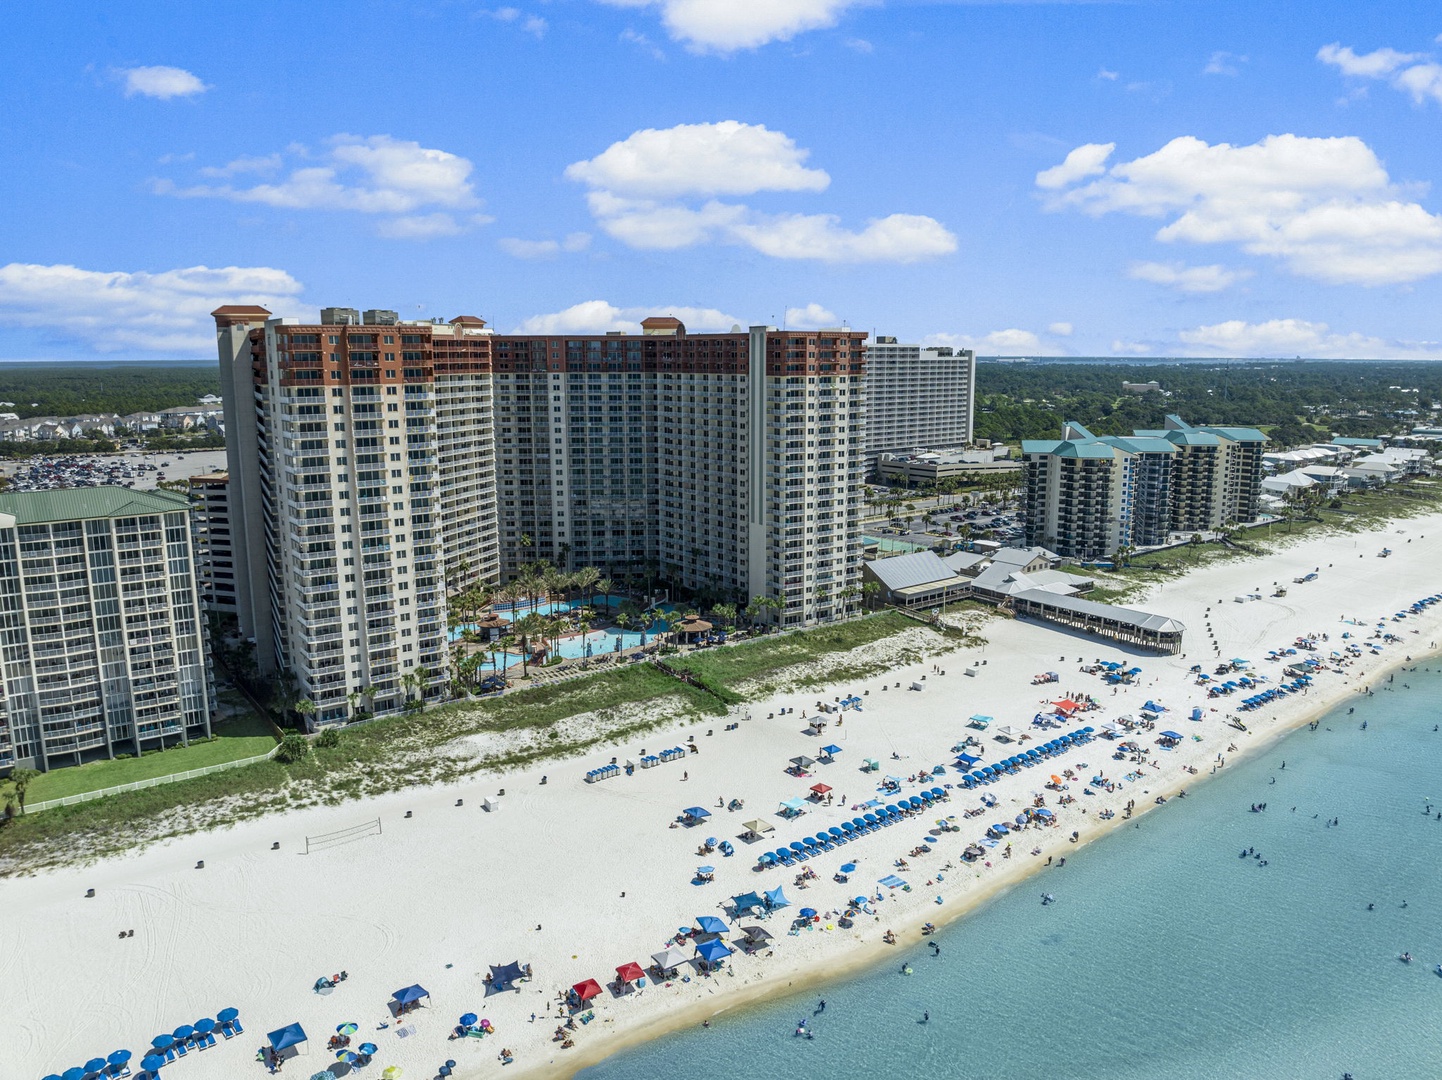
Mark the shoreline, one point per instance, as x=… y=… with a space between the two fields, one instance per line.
x=866 y=955
x=437 y=897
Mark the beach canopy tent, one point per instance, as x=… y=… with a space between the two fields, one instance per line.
x=1152 y=706
x=586 y=989
x=831 y=751
x=756 y=933
x=630 y=972
x=802 y=762
x=759 y=826
x=411 y=994
x=669 y=958
x=505 y=975
x=820 y=789
x=775 y=898
x=713 y=951
x=709 y=924
x=1007 y=732
x=696 y=812
x=1172 y=735
x=747 y=901
x=793 y=804
x=286 y=1037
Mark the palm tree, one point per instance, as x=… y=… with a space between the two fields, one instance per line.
x=587 y=578
x=408 y=680
x=607 y=587
x=870 y=590
x=353 y=698
x=19 y=781
x=847 y=594
x=305 y=709
x=424 y=675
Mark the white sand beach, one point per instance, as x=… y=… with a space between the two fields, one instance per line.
x=576 y=879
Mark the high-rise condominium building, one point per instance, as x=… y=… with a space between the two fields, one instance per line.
x=1088 y=496
x=917 y=397
x=214 y=553
x=100 y=630
x=378 y=464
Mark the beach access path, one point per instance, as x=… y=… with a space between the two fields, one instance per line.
x=576 y=879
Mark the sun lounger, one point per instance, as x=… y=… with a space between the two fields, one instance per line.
x=182 y=1049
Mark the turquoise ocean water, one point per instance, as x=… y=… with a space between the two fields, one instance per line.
x=1166 y=955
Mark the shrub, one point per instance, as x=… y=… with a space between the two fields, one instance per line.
x=328 y=739
x=292 y=748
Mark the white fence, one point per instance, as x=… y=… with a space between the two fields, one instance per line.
x=189 y=774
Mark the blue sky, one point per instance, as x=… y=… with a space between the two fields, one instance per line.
x=1147 y=178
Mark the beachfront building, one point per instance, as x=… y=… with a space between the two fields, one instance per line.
x=1088 y=496
x=214 y=553
x=375 y=465
x=917 y=397
x=101 y=638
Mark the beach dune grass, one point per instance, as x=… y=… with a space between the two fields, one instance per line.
x=721 y=671
x=243 y=736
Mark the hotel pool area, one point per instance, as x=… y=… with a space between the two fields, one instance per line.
x=576 y=646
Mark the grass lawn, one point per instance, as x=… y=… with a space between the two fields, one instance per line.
x=243 y=736
x=722 y=669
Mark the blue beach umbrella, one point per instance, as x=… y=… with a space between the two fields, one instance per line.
x=94 y=1065
x=161 y=1042
x=205 y=1026
x=225 y=1016
x=367 y=1048
x=468 y=1019
x=53 y=1076
x=183 y=1032
x=350 y=1057
x=120 y=1057
x=808 y=913
x=848 y=868
x=76 y=1073
x=152 y=1062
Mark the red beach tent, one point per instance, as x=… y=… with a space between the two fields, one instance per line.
x=630 y=972
x=586 y=990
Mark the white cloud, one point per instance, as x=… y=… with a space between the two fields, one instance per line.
x=726 y=158
x=1324 y=206
x=861 y=45
x=1061 y=329
x=544 y=249
x=1297 y=337
x=160 y=82
x=900 y=238
x=1188 y=279
x=1129 y=348
x=1411 y=73
x=728 y=25
x=244 y=164
x=646 y=189
x=1011 y=342
x=118 y=310
x=1224 y=63
x=531 y=24
x=811 y=317
x=1087 y=160
x=370 y=175
x=1108 y=75
x=1372 y=65
x=641 y=41
x=599 y=316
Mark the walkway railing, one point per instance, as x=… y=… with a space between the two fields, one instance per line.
x=156 y=781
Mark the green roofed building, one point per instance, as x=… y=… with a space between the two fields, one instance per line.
x=1088 y=496
x=101 y=638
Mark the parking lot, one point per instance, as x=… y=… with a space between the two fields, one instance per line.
x=139 y=469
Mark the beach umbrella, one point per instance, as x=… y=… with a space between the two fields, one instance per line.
x=808 y=913
x=797 y=845
x=152 y=1062
x=848 y=868
x=468 y=1019
x=348 y=1056
x=94 y=1065
x=205 y=1026
x=225 y=1016
x=162 y=1042
x=836 y=830
x=367 y=1048
x=703 y=870
x=348 y=1028
x=76 y=1073
x=53 y=1076
x=120 y=1057
x=324 y=1074
x=392 y=1072
x=183 y=1032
